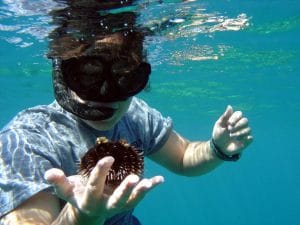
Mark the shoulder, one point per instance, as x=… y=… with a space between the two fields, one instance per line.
x=138 y=105
x=35 y=135
x=141 y=110
x=38 y=116
x=141 y=114
x=149 y=124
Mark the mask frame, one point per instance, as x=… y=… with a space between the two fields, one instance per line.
x=68 y=98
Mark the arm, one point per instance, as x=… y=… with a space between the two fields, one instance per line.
x=87 y=203
x=34 y=211
x=231 y=135
x=44 y=209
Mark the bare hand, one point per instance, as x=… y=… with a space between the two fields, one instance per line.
x=91 y=199
x=231 y=132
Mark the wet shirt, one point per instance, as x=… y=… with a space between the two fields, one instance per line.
x=45 y=137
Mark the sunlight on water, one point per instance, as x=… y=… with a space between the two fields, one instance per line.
x=278 y=26
x=22 y=23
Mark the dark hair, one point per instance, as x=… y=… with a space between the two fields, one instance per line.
x=86 y=28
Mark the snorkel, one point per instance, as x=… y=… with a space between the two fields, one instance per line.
x=96 y=58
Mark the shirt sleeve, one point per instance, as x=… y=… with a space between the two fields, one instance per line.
x=153 y=128
x=25 y=155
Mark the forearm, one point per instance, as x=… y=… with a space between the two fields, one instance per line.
x=72 y=216
x=199 y=158
x=43 y=209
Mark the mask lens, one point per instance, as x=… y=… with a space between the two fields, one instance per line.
x=123 y=75
x=90 y=73
x=133 y=79
x=84 y=75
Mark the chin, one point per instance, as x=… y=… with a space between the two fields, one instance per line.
x=107 y=124
x=103 y=125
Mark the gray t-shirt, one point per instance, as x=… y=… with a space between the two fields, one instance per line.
x=47 y=136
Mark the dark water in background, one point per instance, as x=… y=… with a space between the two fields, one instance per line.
x=255 y=69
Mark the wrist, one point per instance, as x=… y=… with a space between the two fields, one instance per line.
x=220 y=154
x=83 y=218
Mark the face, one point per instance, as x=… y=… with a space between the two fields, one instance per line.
x=98 y=79
x=120 y=108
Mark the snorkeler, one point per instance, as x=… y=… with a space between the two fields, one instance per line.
x=99 y=66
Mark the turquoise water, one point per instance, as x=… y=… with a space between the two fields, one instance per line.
x=196 y=73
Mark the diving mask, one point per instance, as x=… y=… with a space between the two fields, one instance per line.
x=95 y=79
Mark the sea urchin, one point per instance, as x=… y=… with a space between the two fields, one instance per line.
x=128 y=160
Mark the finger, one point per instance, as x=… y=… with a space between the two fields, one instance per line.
x=234 y=118
x=142 y=189
x=248 y=140
x=122 y=193
x=223 y=120
x=239 y=135
x=96 y=181
x=241 y=124
x=243 y=143
x=63 y=188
